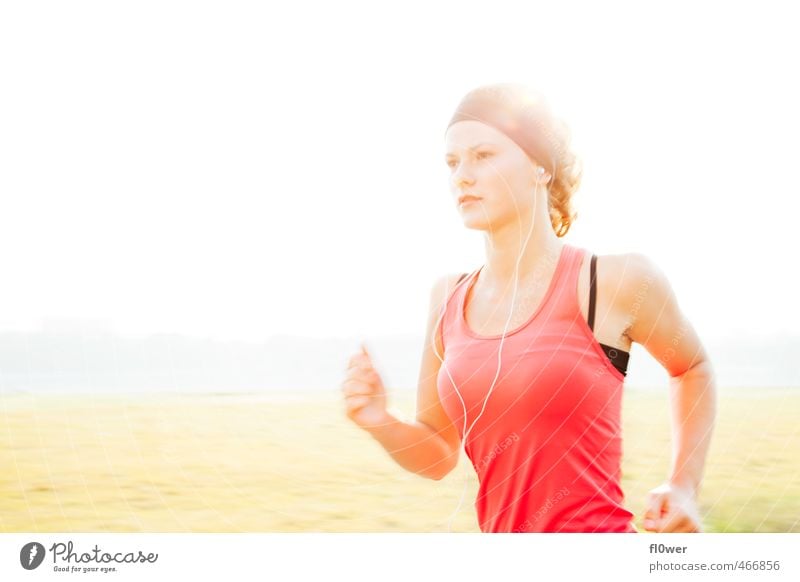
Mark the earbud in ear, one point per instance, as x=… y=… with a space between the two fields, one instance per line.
x=543 y=174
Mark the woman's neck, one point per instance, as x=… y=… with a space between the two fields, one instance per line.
x=503 y=249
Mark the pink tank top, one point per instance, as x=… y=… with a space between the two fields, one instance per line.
x=547 y=449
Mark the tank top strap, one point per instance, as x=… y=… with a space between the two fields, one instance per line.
x=448 y=310
x=566 y=291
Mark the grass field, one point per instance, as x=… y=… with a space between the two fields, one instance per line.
x=236 y=463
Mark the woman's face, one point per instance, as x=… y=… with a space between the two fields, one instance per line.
x=486 y=163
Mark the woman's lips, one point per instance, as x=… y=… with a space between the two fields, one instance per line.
x=468 y=200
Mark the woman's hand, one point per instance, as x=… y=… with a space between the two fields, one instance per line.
x=672 y=508
x=365 y=395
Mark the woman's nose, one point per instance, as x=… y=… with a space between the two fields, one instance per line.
x=462 y=176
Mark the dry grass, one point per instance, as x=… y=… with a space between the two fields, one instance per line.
x=205 y=463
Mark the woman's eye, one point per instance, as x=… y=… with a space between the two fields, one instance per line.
x=478 y=156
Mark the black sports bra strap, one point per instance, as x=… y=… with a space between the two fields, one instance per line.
x=592 y=290
x=619 y=358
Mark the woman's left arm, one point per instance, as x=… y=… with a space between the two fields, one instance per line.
x=657 y=323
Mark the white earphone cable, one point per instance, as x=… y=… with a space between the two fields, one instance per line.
x=466 y=432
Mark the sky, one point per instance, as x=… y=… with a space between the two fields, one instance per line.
x=234 y=170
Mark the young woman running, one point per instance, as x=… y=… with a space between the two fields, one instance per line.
x=525 y=357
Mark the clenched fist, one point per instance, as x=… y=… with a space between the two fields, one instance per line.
x=672 y=509
x=364 y=393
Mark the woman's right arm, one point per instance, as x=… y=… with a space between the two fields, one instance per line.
x=430 y=445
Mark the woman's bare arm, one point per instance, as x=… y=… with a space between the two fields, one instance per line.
x=665 y=332
x=430 y=445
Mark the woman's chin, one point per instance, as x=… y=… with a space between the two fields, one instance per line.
x=475 y=223
x=474 y=216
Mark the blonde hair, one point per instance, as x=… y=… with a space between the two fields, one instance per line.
x=567 y=175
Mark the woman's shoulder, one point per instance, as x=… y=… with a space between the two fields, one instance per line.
x=448 y=282
x=631 y=276
x=633 y=267
x=444 y=285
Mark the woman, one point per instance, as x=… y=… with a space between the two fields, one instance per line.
x=526 y=356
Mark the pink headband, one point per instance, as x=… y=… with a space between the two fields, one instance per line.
x=517 y=112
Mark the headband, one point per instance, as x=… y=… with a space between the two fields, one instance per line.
x=516 y=112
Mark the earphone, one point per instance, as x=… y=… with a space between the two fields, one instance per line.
x=465 y=431
x=541 y=171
